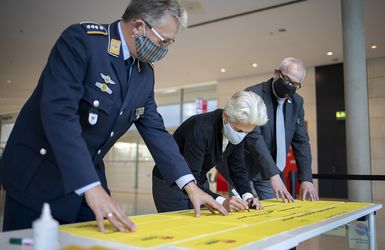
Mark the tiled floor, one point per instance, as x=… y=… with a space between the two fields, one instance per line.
x=142 y=203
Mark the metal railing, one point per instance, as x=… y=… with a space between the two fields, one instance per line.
x=360 y=177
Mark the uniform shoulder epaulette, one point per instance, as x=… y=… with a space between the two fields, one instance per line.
x=93 y=28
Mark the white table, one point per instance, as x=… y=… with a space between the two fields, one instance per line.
x=284 y=240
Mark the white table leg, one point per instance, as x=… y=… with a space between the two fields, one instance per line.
x=372 y=232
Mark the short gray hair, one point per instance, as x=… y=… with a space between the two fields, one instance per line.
x=154 y=12
x=246 y=107
x=291 y=60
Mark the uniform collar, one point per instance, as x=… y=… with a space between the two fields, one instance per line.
x=114 y=40
x=126 y=51
x=117 y=45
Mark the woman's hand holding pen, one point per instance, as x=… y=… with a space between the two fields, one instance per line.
x=233 y=204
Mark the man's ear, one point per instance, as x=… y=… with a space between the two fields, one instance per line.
x=224 y=117
x=137 y=26
x=276 y=74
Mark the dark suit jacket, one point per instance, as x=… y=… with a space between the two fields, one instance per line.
x=54 y=150
x=260 y=145
x=200 y=141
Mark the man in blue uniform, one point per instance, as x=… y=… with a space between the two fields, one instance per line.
x=98 y=81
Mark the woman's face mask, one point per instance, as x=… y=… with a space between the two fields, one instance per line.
x=234 y=137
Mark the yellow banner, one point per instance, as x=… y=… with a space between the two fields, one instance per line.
x=209 y=231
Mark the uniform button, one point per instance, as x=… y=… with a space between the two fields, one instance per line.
x=43 y=151
x=99 y=151
x=112 y=134
x=121 y=113
x=96 y=103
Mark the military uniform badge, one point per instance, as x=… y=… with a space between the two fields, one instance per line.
x=114 y=47
x=93 y=28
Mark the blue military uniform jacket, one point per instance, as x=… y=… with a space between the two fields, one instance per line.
x=82 y=104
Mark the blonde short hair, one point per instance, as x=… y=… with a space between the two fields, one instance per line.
x=246 y=107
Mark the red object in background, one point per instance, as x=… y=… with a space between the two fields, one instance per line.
x=222 y=185
x=291 y=165
x=200 y=105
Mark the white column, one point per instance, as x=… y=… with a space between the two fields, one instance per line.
x=356 y=99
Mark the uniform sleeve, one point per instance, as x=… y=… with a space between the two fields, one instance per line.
x=237 y=168
x=301 y=148
x=161 y=144
x=62 y=90
x=260 y=154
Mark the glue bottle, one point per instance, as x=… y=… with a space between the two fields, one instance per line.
x=45 y=231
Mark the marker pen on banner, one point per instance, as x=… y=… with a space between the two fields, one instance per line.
x=235 y=193
x=21 y=241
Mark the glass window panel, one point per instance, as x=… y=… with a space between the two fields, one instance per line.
x=170 y=114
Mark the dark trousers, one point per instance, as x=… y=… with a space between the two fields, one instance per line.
x=168 y=197
x=17 y=216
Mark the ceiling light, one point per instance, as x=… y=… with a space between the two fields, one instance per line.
x=373 y=46
x=329 y=53
x=9 y=81
x=254 y=65
x=223 y=70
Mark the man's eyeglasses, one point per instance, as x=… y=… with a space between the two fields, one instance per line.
x=287 y=79
x=163 y=42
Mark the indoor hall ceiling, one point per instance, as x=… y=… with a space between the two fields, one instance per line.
x=313 y=27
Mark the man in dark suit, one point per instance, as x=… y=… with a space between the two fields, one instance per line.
x=98 y=81
x=209 y=139
x=266 y=147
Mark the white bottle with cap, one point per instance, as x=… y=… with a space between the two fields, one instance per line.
x=45 y=231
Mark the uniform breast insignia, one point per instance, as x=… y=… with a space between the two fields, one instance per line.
x=103 y=87
x=107 y=79
x=114 y=47
x=139 y=112
x=93 y=117
x=94 y=28
x=93 y=113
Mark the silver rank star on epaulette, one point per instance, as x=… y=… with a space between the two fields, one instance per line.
x=93 y=28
